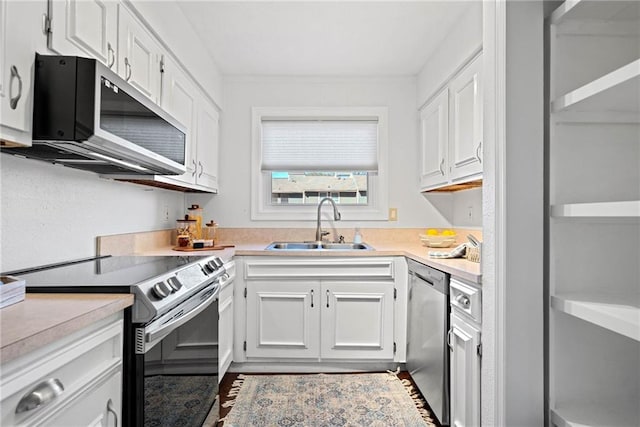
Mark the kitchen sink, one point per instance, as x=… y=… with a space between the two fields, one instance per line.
x=314 y=246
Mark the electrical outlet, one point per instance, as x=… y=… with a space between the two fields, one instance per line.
x=165 y=213
x=393 y=214
x=470 y=213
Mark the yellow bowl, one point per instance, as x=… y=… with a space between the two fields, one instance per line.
x=438 y=241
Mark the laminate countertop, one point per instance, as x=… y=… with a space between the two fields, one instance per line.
x=459 y=267
x=44 y=318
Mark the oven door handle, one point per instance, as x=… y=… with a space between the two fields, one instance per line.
x=171 y=326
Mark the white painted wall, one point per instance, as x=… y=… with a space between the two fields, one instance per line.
x=231 y=207
x=512 y=274
x=52 y=213
x=457 y=48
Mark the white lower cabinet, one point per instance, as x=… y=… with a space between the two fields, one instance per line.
x=464 y=342
x=324 y=309
x=74 y=381
x=225 y=330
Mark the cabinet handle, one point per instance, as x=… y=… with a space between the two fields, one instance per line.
x=311 y=298
x=327 y=298
x=110 y=54
x=13 y=100
x=201 y=170
x=113 y=411
x=42 y=394
x=195 y=168
x=449 y=339
x=127 y=68
x=463 y=300
x=441 y=166
x=478 y=151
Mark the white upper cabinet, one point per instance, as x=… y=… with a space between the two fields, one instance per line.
x=85 y=28
x=139 y=55
x=451 y=131
x=182 y=99
x=465 y=130
x=21 y=36
x=208 y=145
x=434 y=127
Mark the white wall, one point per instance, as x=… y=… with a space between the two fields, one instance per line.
x=460 y=44
x=231 y=208
x=52 y=213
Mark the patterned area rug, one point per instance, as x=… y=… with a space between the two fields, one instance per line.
x=315 y=400
x=178 y=400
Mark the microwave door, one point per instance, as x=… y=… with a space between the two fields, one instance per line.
x=129 y=126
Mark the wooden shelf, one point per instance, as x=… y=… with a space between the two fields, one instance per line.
x=626 y=209
x=587 y=10
x=618 y=313
x=614 y=92
x=613 y=414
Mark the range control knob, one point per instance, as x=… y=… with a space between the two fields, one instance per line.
x=213 y=265
x=208 y=269
x=161 y=290
x=218 y=262
x=174 y=283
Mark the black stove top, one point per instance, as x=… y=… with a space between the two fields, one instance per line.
x=121 y=271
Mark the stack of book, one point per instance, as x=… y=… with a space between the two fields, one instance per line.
x=11 y=290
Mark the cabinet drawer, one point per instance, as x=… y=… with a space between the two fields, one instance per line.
x=312 y=267
x=74 y=361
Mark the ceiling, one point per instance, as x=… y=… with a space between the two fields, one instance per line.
x=322 y=38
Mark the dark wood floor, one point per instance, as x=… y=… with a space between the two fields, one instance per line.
x=229 y=378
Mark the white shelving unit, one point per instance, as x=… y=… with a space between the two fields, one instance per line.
x=594 y=224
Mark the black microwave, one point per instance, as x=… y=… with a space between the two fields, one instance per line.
x=86 y=116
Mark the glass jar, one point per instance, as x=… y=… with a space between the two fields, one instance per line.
x=195 y=213
x=185 y=231
x=209 y=232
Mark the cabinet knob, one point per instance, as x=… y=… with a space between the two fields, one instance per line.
x=327 y=298
x=441 y=166
x=42 y=394
x=13 y=100
x=201 y=170
x=311 y=298
x=463 y=300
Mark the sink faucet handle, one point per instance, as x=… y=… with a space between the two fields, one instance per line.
x=341 y=239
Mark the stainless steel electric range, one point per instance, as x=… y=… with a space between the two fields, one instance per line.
x=170 y=293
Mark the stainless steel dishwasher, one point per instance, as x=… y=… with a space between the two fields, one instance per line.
x=427 y=349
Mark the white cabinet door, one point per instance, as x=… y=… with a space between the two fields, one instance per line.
x=465 y=115
x=98 y=406
x=357 y=320
x=225 y=331
x=138 y=55
x=85 y=28
x=21 y=36
x=465 y=373
x=434 y=140
x=179 y=100
x=207 y=145
x=283 y=319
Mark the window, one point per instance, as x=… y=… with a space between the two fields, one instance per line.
x=345 y=188
x=301 y=155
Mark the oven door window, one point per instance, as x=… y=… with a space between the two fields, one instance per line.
x=181 y=374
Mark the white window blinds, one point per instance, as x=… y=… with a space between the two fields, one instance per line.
x=319 y=145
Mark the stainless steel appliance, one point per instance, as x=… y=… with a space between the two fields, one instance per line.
x=427 y=349
x=170 y=292
x=86 y=116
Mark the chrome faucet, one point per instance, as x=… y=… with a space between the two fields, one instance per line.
x=336 y=217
